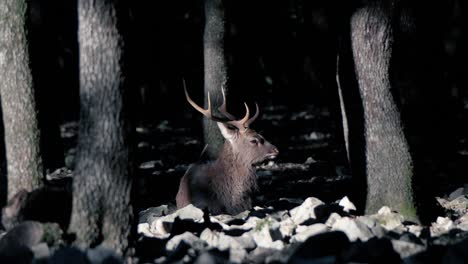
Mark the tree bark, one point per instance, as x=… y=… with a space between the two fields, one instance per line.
x=22 y=136
x=389 y=168
x=215 y=70
x=102 y=211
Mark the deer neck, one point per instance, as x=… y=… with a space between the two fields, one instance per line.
x=234 y=166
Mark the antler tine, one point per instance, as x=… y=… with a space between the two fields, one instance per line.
x=222 y=108
x=205 y=112
x=241 y=124
x=251 y=120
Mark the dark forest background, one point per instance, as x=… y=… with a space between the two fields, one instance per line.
x=281 y=54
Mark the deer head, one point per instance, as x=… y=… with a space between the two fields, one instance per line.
x=240 y=139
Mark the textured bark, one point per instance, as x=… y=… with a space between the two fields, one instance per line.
x=102 y=183
x=22 y=136
x=215 y=70
x=388 y=162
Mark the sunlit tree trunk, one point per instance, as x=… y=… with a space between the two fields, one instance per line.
x=102 y=212
x=21 y=131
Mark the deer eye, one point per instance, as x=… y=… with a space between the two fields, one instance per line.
x=254 y=142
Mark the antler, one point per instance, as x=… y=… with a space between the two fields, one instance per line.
x=241 y=124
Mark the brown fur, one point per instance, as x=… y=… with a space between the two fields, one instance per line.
x=225 y=185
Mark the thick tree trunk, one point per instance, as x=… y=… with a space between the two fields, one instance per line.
x=215 y=70
x=388 y=161
x=102 y=183
x=22 y=136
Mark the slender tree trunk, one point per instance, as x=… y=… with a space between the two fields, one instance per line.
x=102 y=183
x=22 y=136
x=215 y=70
x=388 y=161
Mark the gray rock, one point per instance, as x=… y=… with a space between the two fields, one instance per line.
x=187 y=238
x=247 y=241
x=353 y=229
x=103 y=255
x=69 y=255
x=41 y=251
x=152 y=213
x=304 y=232
x=459 y=205
x=457 y=193
x=237 y=255
x=406 y=249
x=209 y=258
x=158 y=227
x=305 y=211
x=347 y=204
x=373 y=224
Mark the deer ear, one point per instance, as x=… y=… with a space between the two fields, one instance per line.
x=227 y=132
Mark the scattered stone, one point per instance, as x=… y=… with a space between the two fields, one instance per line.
x=459 y=205
x=406 y=249
x=219 y=240
x=388 y=219
x=332 y=219
x=415 y=229
x=463 y=222
x=347 y=204
x=373 y=224
x=150 y=164
x=69 y=255
x=212 y=257
x=353 y=229
x=152 y=213
x=316 y=248
x=304 y=232
x=188 y=238
x=40 y=251
x=287 y=227
x=267 y=234
x=305 y=211
x=102 y=254
x=457 y=193
x=441 y=226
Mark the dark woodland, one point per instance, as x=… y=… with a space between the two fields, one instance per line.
x=361 y=99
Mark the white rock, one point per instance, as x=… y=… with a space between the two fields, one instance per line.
x=247 y=241
x=186 y=237
x=347 y=204
x=332 y=219
x=266 y=234
x=463 y=222
x=373 y=224
x=287 y=227
x=353 y=229
x=415 y=230
x=305 y=211
x=388 y=219
x=237 y=255
x=41 y=250
x=406 y=249
x=220 y=240
x=304 y=232
x=441 y=226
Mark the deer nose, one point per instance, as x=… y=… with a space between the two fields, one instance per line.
x=275 y=151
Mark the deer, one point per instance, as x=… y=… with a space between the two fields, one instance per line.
x=225 y=185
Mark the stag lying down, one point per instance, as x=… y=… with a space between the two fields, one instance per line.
x=225 y=185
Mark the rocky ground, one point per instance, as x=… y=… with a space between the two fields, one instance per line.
x=301 y=213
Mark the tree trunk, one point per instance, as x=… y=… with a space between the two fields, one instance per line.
x=215 y=70
x=102 y=211
x=22 y=136
x=388 y=161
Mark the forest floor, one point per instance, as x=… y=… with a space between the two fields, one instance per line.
x=312 y=163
